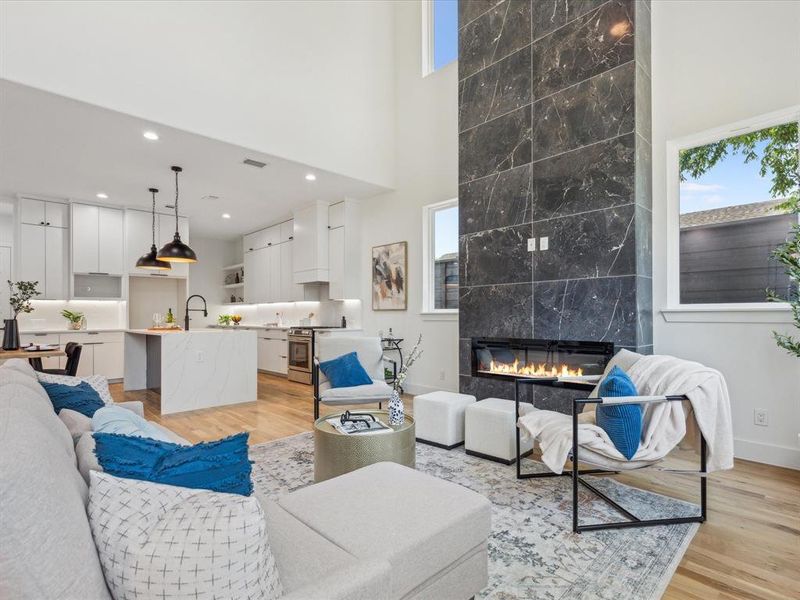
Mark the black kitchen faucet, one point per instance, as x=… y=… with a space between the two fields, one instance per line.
x=204 y=309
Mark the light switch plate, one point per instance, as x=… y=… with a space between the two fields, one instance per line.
x=531 y=244
x=544 y=243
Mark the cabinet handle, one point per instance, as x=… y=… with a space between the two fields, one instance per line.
x=291 y=237
x=48 y=223
x=158 y=275
x=250 y=249
x=95 y=272
x=93 y=332
x=41 y=222
x=269 y=243
x=39 y=334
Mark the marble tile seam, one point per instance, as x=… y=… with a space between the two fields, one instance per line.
x=595 y=9
x=488 y=285
x=493 y=174
x=604 y=73
x=609 y=139
x=583 y=212
x=487 y=121
x=568 y=279
x=501 y=228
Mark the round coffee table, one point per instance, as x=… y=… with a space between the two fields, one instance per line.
x=338 y=453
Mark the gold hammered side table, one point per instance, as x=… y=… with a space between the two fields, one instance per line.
x=339 y=453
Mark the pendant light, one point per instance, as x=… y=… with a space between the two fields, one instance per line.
x=149 y=260
x=176 y=251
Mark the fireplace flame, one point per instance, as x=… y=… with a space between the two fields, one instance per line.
x=533 y=370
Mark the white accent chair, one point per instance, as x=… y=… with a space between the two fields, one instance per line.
x=370 y=355
x=490 y=430
x=439 y=418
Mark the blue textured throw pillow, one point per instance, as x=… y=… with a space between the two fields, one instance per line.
x=220 y=466
x=81 y=398
x=345 y=371
x=623 y=422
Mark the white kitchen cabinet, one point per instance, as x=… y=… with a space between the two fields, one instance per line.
x=44 y=246
x=289 y=290
x=54 y=362
x=287 y=231
x=262 y=238
x=343 y=250
x=256 y=281
x=311 y=244
x=109 y=359
x=43 y=212
x=102 y=353
x=138 y=238
x=97 y=240
x=273 y=352
x=165 y=234
x=274 y=274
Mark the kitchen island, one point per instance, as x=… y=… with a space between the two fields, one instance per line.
x=192 y=369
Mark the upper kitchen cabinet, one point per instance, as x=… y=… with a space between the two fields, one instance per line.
x=44 y=246
x=343 y=250
x=98 y=254
x=263 y=238
x=311 y=244
x=97 y=240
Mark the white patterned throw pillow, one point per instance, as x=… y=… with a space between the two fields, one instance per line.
x=99 y=383
x=163 y=541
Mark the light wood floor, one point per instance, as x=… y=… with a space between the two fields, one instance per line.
x=749 y=547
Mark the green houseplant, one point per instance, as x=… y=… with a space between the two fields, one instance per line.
x=74 y=319
x=20 y=295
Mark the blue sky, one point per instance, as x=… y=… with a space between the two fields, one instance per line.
x=731 y=182
x=445 y=32
x=446 y=229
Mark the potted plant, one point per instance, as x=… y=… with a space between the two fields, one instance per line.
x=224 y=320
x=74 y=319
x=20 y=297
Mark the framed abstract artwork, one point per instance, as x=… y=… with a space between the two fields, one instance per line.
x=389 y=276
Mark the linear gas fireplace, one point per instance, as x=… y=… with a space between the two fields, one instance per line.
x=510 y=358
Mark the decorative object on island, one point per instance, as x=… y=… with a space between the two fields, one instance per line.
x=396 y=408
x=20 y=295
x=176 y=250
x=150 y=261
x=389 y=276
x=75 y=320
x=170 y=318
x=224 y=320
x=236 y=319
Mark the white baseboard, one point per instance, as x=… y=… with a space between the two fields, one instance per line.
x=781 y=456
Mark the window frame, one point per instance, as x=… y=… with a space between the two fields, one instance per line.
x=704 y=312
x=429 y=40
x=428 y=271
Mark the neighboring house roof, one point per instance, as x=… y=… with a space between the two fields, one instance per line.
x=448 y=257
x=729 y=214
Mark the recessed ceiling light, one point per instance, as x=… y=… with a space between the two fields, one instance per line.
x=150 y=135
x=310 y=177
x=102 y=195
x=226 y=216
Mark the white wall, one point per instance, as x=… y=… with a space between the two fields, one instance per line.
x=303 y=80
x=426 y=169
x=206 y=277
x=715 y=63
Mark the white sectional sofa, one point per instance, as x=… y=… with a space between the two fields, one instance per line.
x=428 y=537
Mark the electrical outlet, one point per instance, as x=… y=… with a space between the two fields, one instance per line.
x=441 y=375
x=531 y=244
x=544 y=243
x=201 y=356
x=761 y=417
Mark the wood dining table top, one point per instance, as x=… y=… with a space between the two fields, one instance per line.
x=6 y=354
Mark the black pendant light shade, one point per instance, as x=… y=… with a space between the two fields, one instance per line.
x=149 y=260
x=176 y=250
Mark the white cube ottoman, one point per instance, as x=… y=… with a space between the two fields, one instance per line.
x=439 y=418
x=490 y=430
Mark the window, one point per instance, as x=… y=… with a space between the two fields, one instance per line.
x=732 y=200
x=440 y=256
x=439 y=34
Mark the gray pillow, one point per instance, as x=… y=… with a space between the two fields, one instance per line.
x=76 y=423
x=87 y=461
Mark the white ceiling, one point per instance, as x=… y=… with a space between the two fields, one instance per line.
x=58 y=147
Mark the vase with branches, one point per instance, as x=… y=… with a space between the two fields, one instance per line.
x=20 y=295
x=397 y=414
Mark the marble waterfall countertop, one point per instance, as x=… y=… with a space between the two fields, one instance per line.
x=178 y=331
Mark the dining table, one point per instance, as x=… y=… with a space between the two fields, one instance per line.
x=34 y=357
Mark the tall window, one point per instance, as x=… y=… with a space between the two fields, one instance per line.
x=440 y=34
x=440 y=224
x=735 y=210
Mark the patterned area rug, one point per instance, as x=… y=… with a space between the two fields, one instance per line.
x=533 y=553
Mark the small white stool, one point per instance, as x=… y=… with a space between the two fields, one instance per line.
x=490 y=428
x=439 y=418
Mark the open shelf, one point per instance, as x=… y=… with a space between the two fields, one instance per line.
x=233 y=267
x=230 y=286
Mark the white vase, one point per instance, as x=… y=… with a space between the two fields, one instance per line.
x=397 y=413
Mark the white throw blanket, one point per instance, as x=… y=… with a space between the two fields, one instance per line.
x=664 y=423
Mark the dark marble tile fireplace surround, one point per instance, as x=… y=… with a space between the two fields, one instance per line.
x=554 y=142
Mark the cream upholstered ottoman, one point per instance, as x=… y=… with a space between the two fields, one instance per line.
x=490 y=430
x=439 y=418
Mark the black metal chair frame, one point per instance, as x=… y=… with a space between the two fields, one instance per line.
x=575 y=472
x=315 y=383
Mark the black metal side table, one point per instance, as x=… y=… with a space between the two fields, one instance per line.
x=393 y=344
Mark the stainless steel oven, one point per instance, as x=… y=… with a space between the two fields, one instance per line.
x=300 y=355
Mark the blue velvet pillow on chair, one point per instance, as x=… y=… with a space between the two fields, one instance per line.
x=345 y=371
x=81 y=398
x=220 y=466
x=622 y=422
